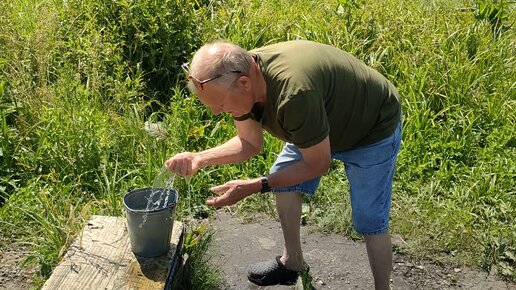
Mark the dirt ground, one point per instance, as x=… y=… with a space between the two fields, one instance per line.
x=335 y=262
x=13 y=274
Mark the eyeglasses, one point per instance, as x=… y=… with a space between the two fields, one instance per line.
x=198 y=83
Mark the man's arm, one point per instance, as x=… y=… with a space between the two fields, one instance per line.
x=315 y=162
x=247 y=143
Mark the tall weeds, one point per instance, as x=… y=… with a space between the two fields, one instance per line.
x=83 y=84
x=78 y=80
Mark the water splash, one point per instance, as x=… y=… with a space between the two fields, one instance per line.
x=162 y=184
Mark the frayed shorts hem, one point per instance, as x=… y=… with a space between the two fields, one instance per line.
x=373 y=233
x=294 y=189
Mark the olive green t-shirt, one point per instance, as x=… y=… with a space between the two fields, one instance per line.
x=314 y=90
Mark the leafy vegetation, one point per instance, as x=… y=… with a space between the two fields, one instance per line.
x=83 y=82
x=197 y=272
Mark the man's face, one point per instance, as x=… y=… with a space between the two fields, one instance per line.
x=235 y=99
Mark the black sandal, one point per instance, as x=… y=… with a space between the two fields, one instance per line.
x=271 y=273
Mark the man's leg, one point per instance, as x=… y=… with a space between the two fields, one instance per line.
x=288 y=205
x=370 y=171
x=379 y=251
x=285 y=269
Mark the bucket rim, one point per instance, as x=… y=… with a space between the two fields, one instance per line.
x=171 y=204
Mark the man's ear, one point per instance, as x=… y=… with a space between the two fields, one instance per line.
x=244 y=83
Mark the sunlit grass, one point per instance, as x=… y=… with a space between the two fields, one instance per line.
x=78 y=82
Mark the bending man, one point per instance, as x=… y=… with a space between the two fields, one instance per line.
x=325 y=104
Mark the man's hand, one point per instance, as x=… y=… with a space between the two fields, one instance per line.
x=233 y=191
x=184 y=164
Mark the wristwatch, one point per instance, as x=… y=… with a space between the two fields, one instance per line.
x=265 y=185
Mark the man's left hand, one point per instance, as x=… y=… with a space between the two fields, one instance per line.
x=233 y=191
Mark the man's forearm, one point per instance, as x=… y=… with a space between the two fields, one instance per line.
x=233 y=151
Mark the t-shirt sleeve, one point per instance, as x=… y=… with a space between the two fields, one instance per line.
x=304 y=119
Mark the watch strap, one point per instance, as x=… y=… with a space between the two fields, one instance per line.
x=265 y=185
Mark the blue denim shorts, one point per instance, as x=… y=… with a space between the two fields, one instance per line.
x=369 y=170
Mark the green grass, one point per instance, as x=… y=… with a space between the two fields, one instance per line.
x=79 y=80
x=198 y=272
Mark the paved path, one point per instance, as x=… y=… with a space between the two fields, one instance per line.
x=335 y=261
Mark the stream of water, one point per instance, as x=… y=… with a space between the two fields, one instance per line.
x=162 y=184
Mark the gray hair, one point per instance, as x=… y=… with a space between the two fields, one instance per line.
x=217 y=58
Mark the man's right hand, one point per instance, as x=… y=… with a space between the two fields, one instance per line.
x=184 y=164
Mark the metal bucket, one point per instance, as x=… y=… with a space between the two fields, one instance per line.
x=150 y=229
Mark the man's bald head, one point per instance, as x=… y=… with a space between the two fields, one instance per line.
x=217 y=58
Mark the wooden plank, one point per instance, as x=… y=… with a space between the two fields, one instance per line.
x=101 y=258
